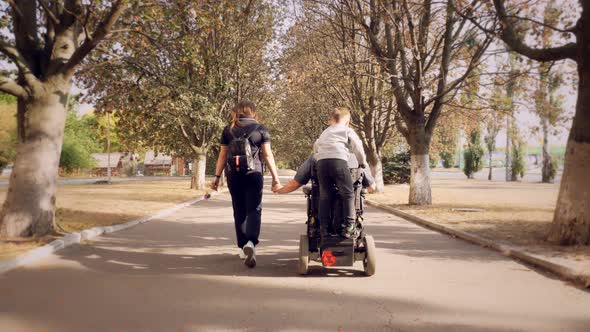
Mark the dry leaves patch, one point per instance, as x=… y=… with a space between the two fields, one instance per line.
x=81 y=207
x=511 y=213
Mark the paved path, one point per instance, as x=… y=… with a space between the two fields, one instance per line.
x=182 y=274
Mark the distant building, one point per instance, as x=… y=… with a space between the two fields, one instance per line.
x=163 y=165
x=102 y=163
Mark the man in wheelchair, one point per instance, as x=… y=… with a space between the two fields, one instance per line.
x=362 y=180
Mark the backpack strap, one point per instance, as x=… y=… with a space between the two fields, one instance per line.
x=253 y=131
x=231 y=132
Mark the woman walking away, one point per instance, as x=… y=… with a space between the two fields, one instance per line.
x=244 y=145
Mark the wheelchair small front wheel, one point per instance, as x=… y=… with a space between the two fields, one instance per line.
x=303 y=267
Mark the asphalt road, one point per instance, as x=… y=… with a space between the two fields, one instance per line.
x=182 y=274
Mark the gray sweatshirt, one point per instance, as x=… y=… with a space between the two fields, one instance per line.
x=338 y=142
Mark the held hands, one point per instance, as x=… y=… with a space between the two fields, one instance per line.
x=276 y=186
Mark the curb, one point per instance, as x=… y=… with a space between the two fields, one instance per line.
x=88 y=234
x=576 y=276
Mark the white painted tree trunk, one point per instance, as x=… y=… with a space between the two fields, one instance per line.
x=29 y=208
x=198 y=180
x=376 y=167
x=491 y=168
x=420 y=192
x=377 y=172
x=571 y=221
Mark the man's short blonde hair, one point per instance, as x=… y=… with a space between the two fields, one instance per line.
x=338 y=113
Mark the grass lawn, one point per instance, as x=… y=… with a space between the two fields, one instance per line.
x=512 y=213
x=81 y=207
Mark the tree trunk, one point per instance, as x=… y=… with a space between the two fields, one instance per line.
x=490 y=173
x=29 y=208
x=508 y=157
x=376 y=166
x=198 y=180
x=420 y=192
x=546 y=176
x=571 y=221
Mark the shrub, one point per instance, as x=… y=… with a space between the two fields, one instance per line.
x=518 y=164
x=78 y=144
x=473 y=155
x=397 y=169
x=4 y=160
x=433 y=160
x=448 y=159
x=75 y=156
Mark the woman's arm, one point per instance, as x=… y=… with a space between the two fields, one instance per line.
x=221 y=160
x=270 y=161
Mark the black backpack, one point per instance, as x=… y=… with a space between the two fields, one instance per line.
x=240 y=158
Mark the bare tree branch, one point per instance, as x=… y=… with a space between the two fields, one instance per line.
x=515 y=43
x=21 y=63
x=9 y=86
x=51 y=15
x=102 y=30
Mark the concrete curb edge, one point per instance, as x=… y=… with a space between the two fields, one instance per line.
x=576 y=276
x=88 y=234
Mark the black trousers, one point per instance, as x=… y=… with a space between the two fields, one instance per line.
x=335 y=173
x=246 y=197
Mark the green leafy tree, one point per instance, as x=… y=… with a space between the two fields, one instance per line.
x=547 y=101
x=493 y=124
x=79 y=143
x=445 y=139
x=473 y=155
x=418 y=45
x=518 y=163
x=181 y=66
x=8 y=140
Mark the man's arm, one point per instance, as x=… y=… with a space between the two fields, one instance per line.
x=290 y=187
x=369 y=181
x=302 y=177
x=356 y=147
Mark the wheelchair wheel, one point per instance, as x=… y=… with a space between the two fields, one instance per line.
x=303 y=254
x=370 y=257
